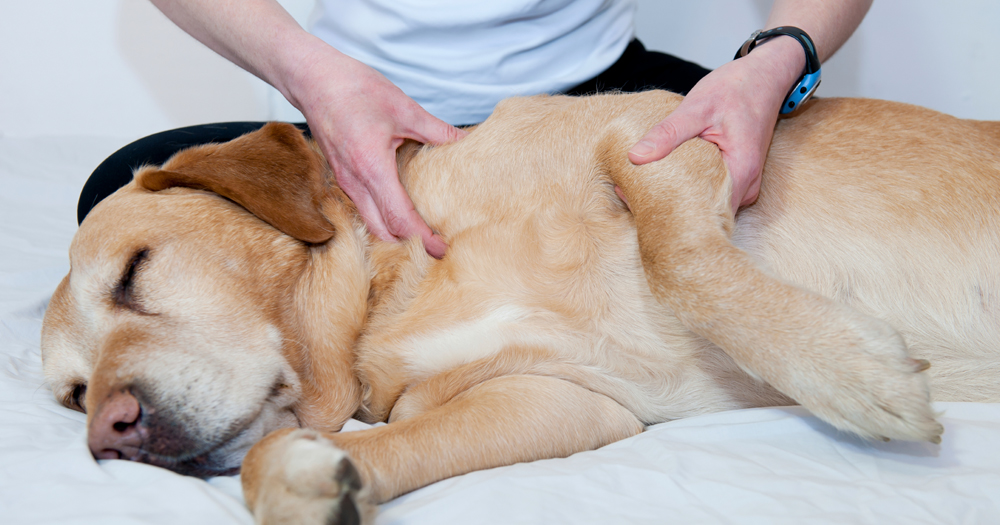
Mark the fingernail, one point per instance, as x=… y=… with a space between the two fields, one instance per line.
x=437 y=247
x=642 y=149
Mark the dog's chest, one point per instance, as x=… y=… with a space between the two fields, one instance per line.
x=466 y=339
x=560 y=288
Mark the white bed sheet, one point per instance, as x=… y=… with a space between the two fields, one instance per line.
x=776 y=465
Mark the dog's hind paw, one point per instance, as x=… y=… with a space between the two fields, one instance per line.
x=316 y=483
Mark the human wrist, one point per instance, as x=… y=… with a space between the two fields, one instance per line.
x=783 y=59
x=299 y=64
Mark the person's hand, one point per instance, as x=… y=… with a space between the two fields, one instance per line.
x=735 y=107
x=359 y=119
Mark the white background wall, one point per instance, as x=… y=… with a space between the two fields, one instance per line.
x=119 y=68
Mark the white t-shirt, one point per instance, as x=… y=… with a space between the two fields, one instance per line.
x=458 y=58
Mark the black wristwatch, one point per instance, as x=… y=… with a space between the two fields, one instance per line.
x=810 y=78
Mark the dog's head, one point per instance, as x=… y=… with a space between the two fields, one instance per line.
x=188 y=327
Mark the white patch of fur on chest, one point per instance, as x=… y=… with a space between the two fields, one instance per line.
x=469 y=341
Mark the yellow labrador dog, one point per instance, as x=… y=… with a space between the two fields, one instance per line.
x=229 y=308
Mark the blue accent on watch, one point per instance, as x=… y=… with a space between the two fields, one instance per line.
x=801 y=92
x=810 y=78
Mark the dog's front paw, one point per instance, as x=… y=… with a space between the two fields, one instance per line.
x=312 y=481
x=874 y=389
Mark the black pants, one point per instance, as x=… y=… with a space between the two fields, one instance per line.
x=637 y=70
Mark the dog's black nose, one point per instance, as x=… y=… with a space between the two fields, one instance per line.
x=114 y=429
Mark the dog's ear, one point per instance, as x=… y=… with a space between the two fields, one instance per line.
x=272 y=172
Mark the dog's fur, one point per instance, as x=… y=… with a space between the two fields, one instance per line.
x=561 y=319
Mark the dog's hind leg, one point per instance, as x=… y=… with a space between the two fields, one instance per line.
x=850 y=369
x=501 y=421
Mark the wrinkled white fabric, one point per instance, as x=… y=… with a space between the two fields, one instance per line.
x=767 y=466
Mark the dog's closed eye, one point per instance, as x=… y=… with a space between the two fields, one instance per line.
x=124 y=294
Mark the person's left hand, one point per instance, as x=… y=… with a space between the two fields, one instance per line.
x=736 y=107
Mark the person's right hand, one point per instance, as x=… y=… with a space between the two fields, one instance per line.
x=359 y=119
x=356 y=115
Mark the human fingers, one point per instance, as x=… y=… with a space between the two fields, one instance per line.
x=745 y=166
x=388 y=211
x=681 y=125
x=366 y=171
x=431 y=130
x=359 y=122
x=417 y=124
x=372 y=183
x=370 y=214
x=400 y=217
x=359 y=171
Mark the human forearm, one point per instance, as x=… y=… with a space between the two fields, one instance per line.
x=257 y=35
x=828 y=23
